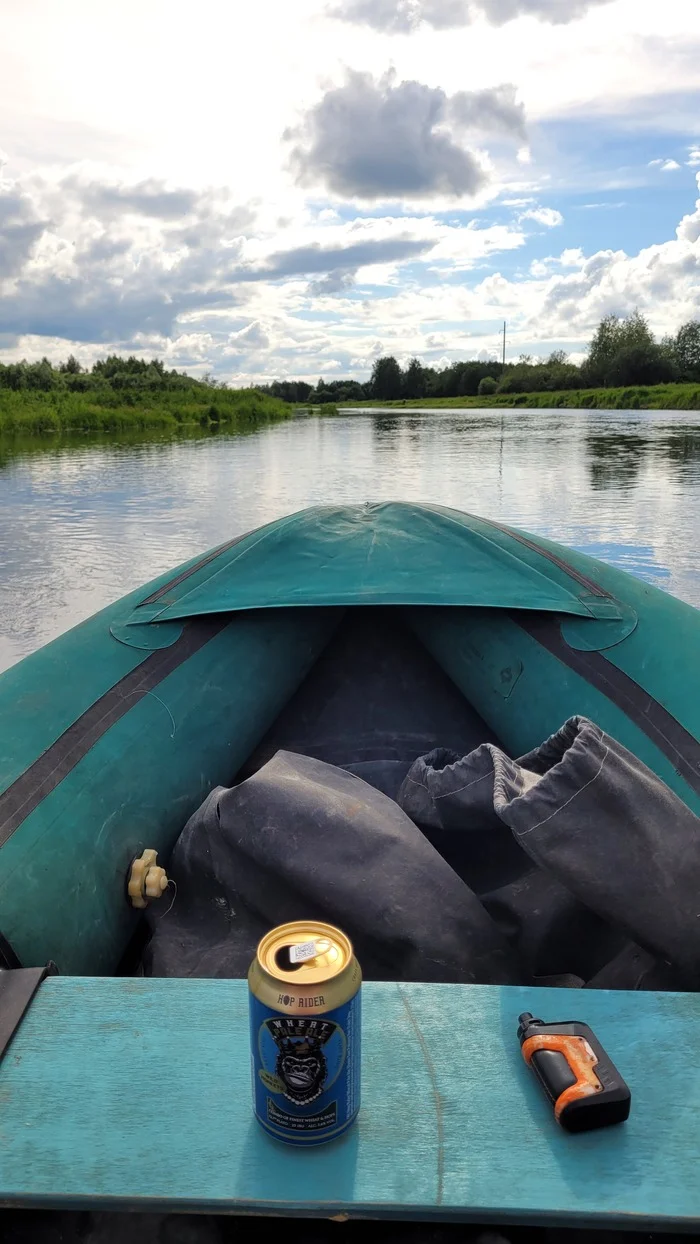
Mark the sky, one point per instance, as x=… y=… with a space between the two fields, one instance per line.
x=293 y=188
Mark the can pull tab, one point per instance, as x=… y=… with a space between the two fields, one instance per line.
x=302 y=952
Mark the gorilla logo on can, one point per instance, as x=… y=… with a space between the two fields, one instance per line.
x=301 y=1064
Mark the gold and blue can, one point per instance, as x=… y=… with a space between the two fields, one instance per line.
x=304 y=990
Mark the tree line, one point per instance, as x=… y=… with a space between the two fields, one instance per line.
x=116 y=374
x=623 y=352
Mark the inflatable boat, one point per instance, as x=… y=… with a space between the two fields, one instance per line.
x=359 y=634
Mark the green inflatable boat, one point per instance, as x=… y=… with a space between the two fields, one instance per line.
x=113 y=734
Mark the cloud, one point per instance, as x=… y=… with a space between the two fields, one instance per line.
x=406 y=16
x=558 y=12
x=253 y=336
x=338 y=281
x=558 y=304
x=693 y=157
x=21 y=226
x=146 y=198
x=239 y=304
x=491 y=111
x=461 y=249
x=689 y=228
x=662 y=280
x=403 y=16
x=370 y=249
x=379 y=139
x=81 y=273
x=302 y=260
x=129 y=276
x=547 y=216
x=666 y=166
x=572 y=257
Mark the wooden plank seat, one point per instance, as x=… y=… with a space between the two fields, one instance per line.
x=134 y=1094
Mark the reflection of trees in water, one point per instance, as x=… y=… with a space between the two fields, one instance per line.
x=66 y=444
x=385 y=427
x=615 y=459
x=682 y=446
x=414 y=426
x=402 y=429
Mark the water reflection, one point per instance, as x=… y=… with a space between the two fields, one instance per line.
x=385 y=426
x=682 y=447
x=83 y=521
x=615 y=461
x=616 y=457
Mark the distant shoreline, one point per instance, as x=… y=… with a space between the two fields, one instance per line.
x=634 y=397
x=30 y=413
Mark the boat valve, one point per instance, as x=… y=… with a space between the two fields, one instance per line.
x=147 y=880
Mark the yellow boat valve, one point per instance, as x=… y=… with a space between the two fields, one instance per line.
x=147 y=880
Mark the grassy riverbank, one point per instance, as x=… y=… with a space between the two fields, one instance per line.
x=34 y=413
x=656 y=397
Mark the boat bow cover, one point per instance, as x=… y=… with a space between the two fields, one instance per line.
x=390 y=553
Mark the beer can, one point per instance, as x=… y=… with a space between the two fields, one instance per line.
x=304 y=991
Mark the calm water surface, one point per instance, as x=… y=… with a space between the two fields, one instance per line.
x=83 y=522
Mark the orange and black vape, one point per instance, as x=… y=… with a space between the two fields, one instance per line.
x=585 y=1088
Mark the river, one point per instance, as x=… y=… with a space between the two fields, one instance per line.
x=83 y=521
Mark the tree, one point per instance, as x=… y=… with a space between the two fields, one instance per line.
x=290 y=390
x=487 y=386
x=648 y=364
x=39 y=376
x=686 y=348
x=602 y=350
x=387 y=379
x=414 y=381
x=611 y=337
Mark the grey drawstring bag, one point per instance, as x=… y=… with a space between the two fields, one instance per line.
x=301 y=838
x=590 y=814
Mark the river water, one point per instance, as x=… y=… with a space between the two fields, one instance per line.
x=84 y=521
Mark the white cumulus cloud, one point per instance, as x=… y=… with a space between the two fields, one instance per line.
x=547 y=216
x=406 y=16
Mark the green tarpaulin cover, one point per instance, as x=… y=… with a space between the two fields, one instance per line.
x=382 y=554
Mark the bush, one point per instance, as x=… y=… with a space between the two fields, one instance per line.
x=640 y=365
x=487 y=386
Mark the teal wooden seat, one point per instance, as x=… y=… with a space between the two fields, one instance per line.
x=134 y=1094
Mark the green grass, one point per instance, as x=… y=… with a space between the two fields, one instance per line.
x=656 y=397
x=34 y=413
x=323 y=408
x=31 y=413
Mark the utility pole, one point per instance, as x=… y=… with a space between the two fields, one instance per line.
x=504 y=345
